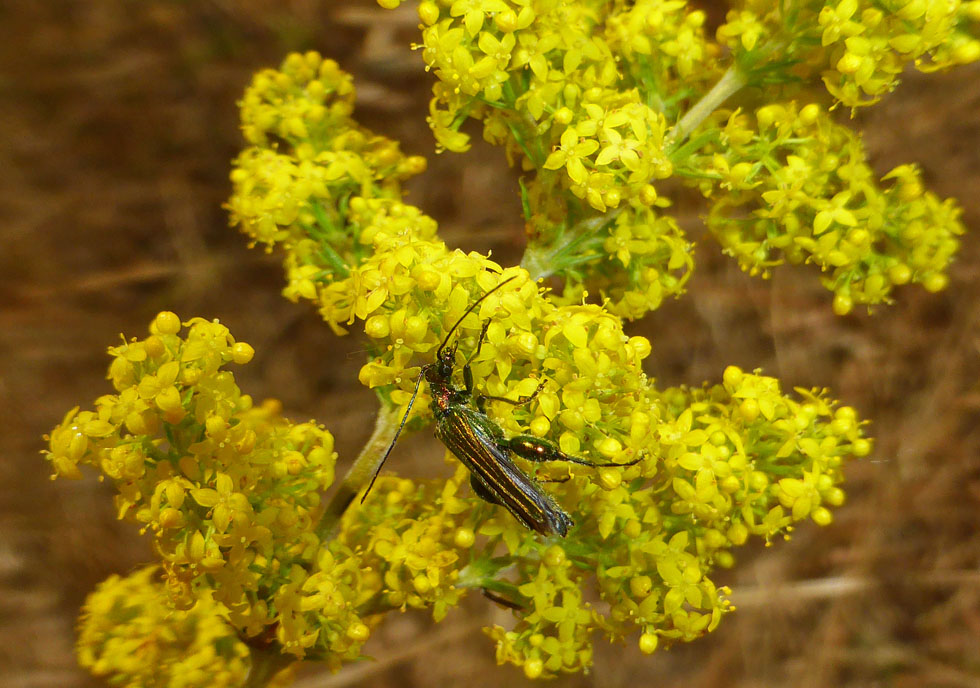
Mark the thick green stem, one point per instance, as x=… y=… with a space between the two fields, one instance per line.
x=542 y=262
x=538 y=263
x=729 y=83
x=266 y=663
x=360 y=474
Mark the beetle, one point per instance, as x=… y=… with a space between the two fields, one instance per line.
x=462 y=425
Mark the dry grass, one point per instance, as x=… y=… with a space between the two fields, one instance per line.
x=118 y=125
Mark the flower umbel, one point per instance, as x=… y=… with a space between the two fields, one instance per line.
x=263 y=561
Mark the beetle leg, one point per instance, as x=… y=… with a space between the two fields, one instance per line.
x=536 y=449
x=553 y=480
x=520 y=401
x=482 y=491
x=467 y=371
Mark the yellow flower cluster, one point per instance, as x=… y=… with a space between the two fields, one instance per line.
x=718 y=465
x=577 y=93
x=413 y=535
x=634 y=261
x=737 y=460
x=582 y=96
x=307 y=162
x=555 y=629
x=230 y=491
x=598 y=101
x=739 y=448
x=315 y=606
x=670 y=519
x=869 y=44
x=858 y=47
x=498 y=59
x=408 y=289
x=411 y=292
x=790 y=184
x=130 y=634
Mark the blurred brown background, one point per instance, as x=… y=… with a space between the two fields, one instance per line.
x=118 y=123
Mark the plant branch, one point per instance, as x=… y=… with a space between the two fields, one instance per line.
x=266 y=663
x=542 y=262
x=729 y=83
x=365 y=466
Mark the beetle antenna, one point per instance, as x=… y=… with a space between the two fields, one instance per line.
x=467 y=312
x=395 y=438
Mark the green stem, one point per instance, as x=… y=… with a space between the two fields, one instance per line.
x=360 y=474
x=729 y=83
x=266 y=663
x=327 y=251
x=542 y=262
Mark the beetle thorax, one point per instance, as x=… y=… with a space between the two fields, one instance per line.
x=440 y=385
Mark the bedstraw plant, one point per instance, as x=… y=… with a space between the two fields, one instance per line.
x=606 y=107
